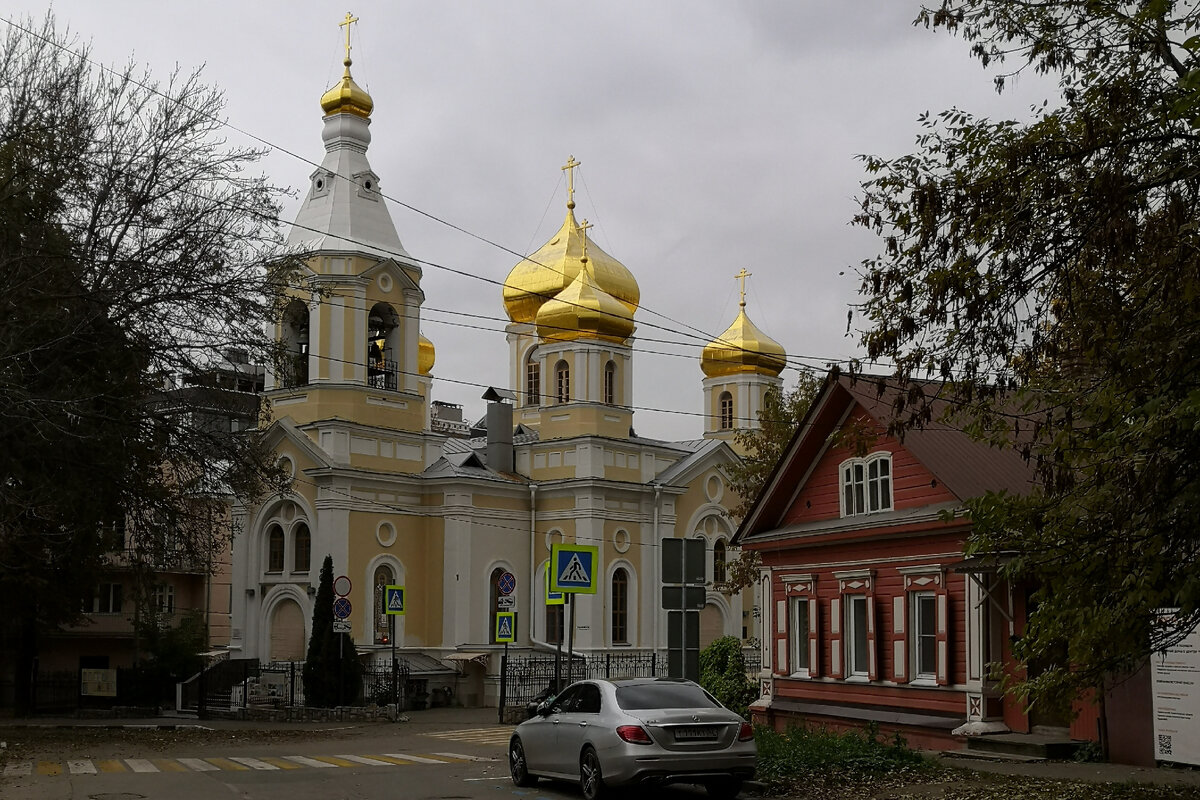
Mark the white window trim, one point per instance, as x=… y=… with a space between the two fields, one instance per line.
x=866 y=465
x=799 y=639
x=850 y=646
x=921 y=678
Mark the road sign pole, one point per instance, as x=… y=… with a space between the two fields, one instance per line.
x=558 y=655
x=341 y=668
x=395 y=664
x=503 y=682
x=571 y=637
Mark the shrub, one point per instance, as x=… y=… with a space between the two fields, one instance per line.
x=723 y=674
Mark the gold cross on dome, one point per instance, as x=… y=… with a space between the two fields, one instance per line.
x=583 y=228
x=345 y=23
x=741 y=277
x=570 y=168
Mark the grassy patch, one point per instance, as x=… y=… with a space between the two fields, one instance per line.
x=815 y=755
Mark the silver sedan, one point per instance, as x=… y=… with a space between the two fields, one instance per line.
x=630 y=732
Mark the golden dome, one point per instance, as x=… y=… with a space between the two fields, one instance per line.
x=554 y=267
x=347 y=97
x=584 y=310
x=743 y=348
x=425 y=355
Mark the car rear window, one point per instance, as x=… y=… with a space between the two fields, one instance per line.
x=664 y=695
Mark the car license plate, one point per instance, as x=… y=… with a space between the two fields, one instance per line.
x=695 y=733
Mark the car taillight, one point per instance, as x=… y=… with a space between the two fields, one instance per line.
x=634 y=734
x=746 y=732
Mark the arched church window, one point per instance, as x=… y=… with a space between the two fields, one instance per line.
x=494 y=588
x=562 y=382
x=620 y=606
x=610 y=383
x=384 y=577
x=726 y=411
x=294 y=369
x=719 y=561
x=533 y=382
x=302 y=549
x=275 y=549
x=383 y=342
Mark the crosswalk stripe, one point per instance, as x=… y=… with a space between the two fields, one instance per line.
x=281 y=763
x=18 y=769
x=253 y=763
x=198 y=765
x=417 y=759
x=111 y=765
x=168 y=765
x=335 y=761
x=309 y=762
x=225 y=763
x=370 y=762
x=140 y=765
x=397 y=761
x=85 y=767
x=49 y=768
x=461 y=757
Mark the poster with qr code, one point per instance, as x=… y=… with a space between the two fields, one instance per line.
x=1175 y=686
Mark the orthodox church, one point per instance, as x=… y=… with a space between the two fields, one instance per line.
x=401 y=491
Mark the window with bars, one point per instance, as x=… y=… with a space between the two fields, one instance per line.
x=562 y=383
x=620 y=606
x=275 y=549
x=533 y=383
x=725 y=411
x=302 y=545
x=866 y=485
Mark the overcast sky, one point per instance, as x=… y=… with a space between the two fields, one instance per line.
x=712 y=135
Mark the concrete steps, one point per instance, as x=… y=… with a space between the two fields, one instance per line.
x=1054 y=746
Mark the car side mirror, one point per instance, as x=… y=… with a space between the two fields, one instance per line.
x=543 y=709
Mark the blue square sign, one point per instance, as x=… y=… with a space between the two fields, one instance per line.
x=573 y=568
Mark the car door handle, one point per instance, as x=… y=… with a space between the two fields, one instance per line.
x=555 y=721
x=583 y=724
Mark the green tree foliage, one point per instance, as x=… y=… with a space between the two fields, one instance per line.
x=723 y=674
x=332 y=671
x=134 y=245
x=762 y=448
x=1048 y=272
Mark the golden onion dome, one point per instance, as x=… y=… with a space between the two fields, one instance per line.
x=584 y=311
x=556 y=265
x=347 y=97
x=743 y=348
x=426 y=355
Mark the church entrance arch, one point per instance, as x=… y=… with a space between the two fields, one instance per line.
x=287 y=632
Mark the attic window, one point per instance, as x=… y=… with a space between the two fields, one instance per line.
x=866 y=484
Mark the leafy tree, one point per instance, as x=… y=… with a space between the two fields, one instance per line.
x=332 y=671
x=723 y=674
x=1048 y=272
x=762 y=447
x=134 y=246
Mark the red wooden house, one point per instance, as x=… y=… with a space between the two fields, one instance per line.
x=870 y=611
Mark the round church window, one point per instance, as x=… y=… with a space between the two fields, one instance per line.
x=385 y=534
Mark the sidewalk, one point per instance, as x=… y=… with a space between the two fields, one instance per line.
x=1073 y=771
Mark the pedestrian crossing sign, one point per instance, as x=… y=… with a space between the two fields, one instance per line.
x=573 y=568
x=506 y=626
x=393 y=600
x=553 y=598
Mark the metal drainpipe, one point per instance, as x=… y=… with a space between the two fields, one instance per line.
x=657 y=545
x=534 y=591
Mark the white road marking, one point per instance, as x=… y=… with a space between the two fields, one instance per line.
x=466 y=757
x=252 y=763
x=140 y=765
x=310 y=762
x=19 y=769
x=415 y=759
x=370 y=762
x=197 y=764
x=83 y=767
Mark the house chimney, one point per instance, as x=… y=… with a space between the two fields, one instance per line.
x=500 y=429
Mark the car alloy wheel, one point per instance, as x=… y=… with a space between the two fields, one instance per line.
x=517 y=766
x=591 y=781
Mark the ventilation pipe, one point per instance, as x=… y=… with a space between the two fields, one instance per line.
x=500 y=429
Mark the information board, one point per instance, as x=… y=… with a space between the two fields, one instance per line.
x=1175 y=686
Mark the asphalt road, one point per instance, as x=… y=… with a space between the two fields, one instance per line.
x=371 y=761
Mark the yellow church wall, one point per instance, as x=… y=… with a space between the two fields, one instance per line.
x=551 y=503
x=501 y=502
x=579 y=419
x=371 y=407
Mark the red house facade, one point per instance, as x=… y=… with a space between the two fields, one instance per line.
x=870 y=611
